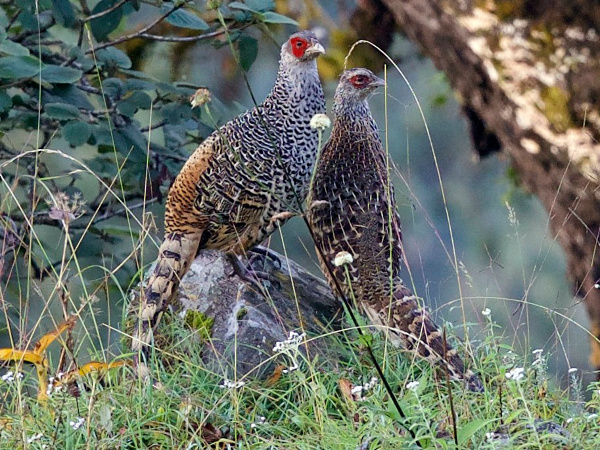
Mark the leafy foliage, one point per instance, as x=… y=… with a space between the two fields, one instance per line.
x=68 y=82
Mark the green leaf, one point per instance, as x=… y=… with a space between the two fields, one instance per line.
x=240 y=5
x=467 y=431
x=255 y=6
x=184 y=19
x=9 y=47
x=5 y=102
x=66 y=93
x=115 y=57
x=59 y=74
x=272 y=17
x=13 y=67
x=76 y=133
x=81 y=58
x=104 y=25
x=64 y=12
x=174 y=113
x=140 y=99
x=61 y=111
x=113 y=87
x=248 y=48
x=139 y=85
x=134 y=137
x=102 y=135
x=126 y=108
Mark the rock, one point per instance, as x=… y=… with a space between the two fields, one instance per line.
x=250 y=318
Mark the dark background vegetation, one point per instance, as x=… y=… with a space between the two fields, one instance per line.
x=120 y=117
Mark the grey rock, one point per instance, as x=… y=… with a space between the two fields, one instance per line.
x=250 y=318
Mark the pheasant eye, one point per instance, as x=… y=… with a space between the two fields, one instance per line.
x=299 y=46
x=359 y=81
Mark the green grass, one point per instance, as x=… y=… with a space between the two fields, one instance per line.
x=187 y=406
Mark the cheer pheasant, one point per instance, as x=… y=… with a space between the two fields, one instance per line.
x=241 y=182
x=353 y=215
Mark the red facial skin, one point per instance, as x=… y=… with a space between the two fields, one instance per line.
x=299 y=46
x=360 y=81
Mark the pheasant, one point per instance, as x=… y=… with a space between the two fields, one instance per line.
x=242 y=182
x=352 y=212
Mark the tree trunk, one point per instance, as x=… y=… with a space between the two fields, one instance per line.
x=528 y=75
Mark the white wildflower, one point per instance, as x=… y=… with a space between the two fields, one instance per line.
x=76 y=424
x=570 y=419
x=486 y=312
x=228 y=384
x=573 y=370
x=413 y=386
x=290 y=369
x=539 y=359
x=294 y=339
x=320 y=122
x=358 y=391
x=516 y=374
x=35 y=437
x=53 y=385
x=342 y=258
x=597 y=286
x=592 y=416
x=8 y=377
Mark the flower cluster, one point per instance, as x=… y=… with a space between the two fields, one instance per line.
x=516 y=374
x=9 y=376
x=261 y=420
x=228 y=384
x=320 y=122
x=76 y=424
x=289 y=347
x=413 y=386
x=343 y=258
x=53 y=386
x=294 y=339
x=358 y=391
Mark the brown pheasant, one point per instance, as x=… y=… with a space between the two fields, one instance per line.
x=241 y=182
x=352 y=212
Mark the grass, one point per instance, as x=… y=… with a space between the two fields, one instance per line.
x=311 y=407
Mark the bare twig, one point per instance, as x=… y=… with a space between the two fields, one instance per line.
x=138 y=33
x=105 y=12
x=200 y=37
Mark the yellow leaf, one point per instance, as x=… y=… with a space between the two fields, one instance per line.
x=10 y=354
x=49 y=338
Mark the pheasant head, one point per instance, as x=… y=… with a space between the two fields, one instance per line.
x=354 y=88
x=301 y=48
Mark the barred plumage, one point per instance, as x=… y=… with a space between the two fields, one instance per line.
x=352 y=209
x=235 y=188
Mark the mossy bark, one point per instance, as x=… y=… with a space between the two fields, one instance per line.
x=528 y=79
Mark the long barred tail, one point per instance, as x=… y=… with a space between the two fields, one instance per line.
x=411 y=327
x=175 y=255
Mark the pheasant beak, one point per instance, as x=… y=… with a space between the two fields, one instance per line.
x=377 y=82
x=314 y=49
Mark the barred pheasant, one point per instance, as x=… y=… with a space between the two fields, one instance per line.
x=353 y=215
x=241 y=182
